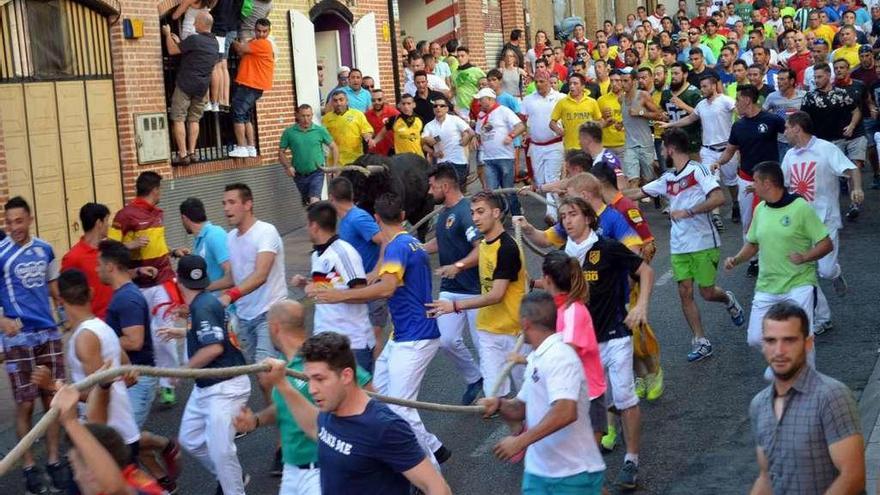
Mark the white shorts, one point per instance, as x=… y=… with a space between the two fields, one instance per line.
x=617 y=358
x=494 y=349
x=802 y=296
x=167 y=354
x=296 y=481
x=726 y=174
x=829 y=268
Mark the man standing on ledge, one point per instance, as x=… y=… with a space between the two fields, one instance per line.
x=255 y=73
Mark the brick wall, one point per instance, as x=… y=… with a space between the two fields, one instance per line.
x=472 y=29
x=4 y=177
x=512 y=17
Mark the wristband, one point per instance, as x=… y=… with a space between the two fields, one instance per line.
x=234 y=294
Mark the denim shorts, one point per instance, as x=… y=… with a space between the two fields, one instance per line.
x=253 y=335
x=244 y=100
x=309 y=185
x=141 y=396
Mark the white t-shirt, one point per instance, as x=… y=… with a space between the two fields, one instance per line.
x=749 y=57
x=120 y=415
x=554 y=372
x=537 y=110
x=684 y=190
x=810 y=78
x=812 y=172
x=435 y=83
x=716 y=118
x=450 y=137
x=493 y=130
x=262 y=237
x=339 y=266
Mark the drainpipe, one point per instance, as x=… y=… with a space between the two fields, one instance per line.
x=394 y=59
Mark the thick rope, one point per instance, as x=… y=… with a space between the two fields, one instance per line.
x=39 y=429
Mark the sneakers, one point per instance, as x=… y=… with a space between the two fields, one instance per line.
x=442 y=454
x=640 y=387
x=853 y=212
x=752 y=270
x=171 y=458
x=628 y=475
x=700 y=350
x=60 y=476
x=167 y=397
x=239 y=152
x=840 y=285
x=654 y=385
x=609 y=440
x=737 y=315
x=471 y=393
x=717 y=222
x=277 y=465
x=823 y=327
x=252 y=151
x=34 y=483
x=735 y=216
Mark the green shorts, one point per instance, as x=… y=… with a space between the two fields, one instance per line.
x=699 y=266
x=577 y=484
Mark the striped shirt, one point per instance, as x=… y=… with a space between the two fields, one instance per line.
x=143 y=219
x=27 y=270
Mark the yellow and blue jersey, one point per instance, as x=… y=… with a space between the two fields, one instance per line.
x=407 y=260
x=612 y=224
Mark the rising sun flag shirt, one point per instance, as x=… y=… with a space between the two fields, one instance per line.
x=812 y=173
x=408 y=262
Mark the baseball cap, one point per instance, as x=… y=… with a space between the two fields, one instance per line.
x=485 y=93
x=343 y=70
x=865 y=49
x=192 y=272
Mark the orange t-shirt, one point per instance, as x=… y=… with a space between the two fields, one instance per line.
x=257 y=66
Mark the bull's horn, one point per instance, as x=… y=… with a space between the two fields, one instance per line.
x=376 y=168
x=334 y=170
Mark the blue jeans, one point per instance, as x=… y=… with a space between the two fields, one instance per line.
x=364 y=358
x=141 y=396
x=499 y=174
x=256 y=345
x=309 y=185
x=244 y=100
x=576 y=484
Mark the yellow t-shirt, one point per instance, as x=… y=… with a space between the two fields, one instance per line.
x=612 y=137
x=848 y=53
x=604 y=86
x=572 y=114
x=658 y=131
x=825 y=32
x=408 y=139
x=503 y=317
x=347 y=131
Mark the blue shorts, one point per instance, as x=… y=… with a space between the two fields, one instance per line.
x=576 y=484
x=141 y=396
x=309 y=185
x=253 y=335
x=244 y=100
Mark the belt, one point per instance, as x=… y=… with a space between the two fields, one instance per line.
x=716 y=147
x=311 y=465
x=557 y=139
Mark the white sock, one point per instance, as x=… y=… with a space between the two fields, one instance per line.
x=634 y=458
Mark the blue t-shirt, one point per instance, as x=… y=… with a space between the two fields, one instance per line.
x=407 y=260
x=360 y=100
x=208 y=326
x=612 y=224
x=455 y=234
x=27 y=271
x=367 y=453
x=210 y=244
x=358 y=228
x=128 y=308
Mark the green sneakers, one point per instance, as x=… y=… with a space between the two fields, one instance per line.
x=640 y=386
x=609 y=440
x=653 y=385
x=167 y=397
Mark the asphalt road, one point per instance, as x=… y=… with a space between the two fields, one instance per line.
x=696 y=438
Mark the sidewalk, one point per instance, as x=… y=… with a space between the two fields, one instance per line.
x=869 y=408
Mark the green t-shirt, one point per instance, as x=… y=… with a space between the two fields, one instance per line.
x=715 y=43
x=787 y=10
x=779 y=232
x=467 y=83
x=296 y=448
x=744 y=11
x=691 y=96
x=306 y=146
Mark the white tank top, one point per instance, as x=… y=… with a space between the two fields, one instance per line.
x=188 y=26
x=119 y=414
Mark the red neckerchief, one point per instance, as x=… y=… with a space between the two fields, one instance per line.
x=143 y=203
x=485 y=118
x=844 y=83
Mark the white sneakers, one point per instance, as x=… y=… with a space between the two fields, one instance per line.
x=243 y=152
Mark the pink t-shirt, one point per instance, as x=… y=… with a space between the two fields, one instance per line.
x=576 y=326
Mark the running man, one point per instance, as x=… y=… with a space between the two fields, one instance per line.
x=545 y=146
x=405 y=280
x=209 y=242
x=94 y=218
x=693 y=193
x=502 y=286
x=304 y=142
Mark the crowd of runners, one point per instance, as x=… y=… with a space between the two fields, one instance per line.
x=764 y=110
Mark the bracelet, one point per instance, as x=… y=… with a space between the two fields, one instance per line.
x=234 y=294
x=455 y=307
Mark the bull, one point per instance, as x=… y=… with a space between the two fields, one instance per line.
x=405 y=174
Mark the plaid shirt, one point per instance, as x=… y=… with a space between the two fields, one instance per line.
x=818 y=412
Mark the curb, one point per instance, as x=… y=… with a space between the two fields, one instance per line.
x=869 y=402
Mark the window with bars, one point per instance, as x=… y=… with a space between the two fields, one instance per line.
x=51 y=40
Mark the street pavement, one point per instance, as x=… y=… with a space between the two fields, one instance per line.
x=696 y=438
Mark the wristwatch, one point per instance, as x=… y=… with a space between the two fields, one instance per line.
x=642 y=112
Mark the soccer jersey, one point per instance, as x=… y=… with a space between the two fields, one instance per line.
x=572 y=113
x=685 y=189
x=209 y=327
x=501 y=259
x=358 y=228
x=780 y=229
x=612 y=136
x=611 y=224
x=633 y=216
x=812 y=173
x=27 y=271
x=336 y=264
x=407 y=133
x=408 y=262
x=347 y=130
x=691 y=96
x=139 y=219
x=456 y=233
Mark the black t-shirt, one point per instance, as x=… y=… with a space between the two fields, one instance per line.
x=209 y=327
x=695 y=77
x=608 y=265
x=425 y=106
x=831 y=111
x=756 y=138
x=858 y=91
x=198 y=55
x=128 y=308
x=227 y=15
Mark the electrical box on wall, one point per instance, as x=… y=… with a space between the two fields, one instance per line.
x=151 y=137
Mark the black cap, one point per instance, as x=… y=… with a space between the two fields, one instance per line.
x=192 y=272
